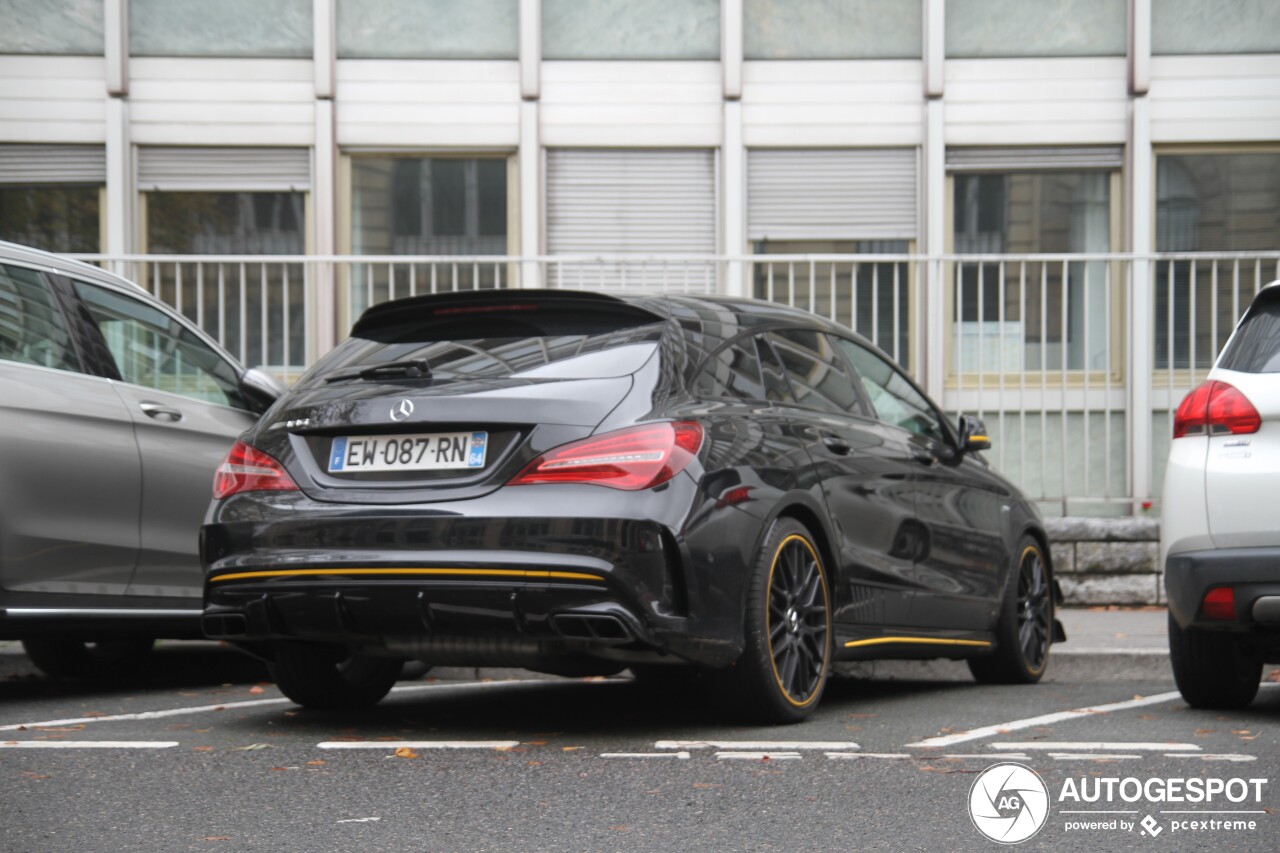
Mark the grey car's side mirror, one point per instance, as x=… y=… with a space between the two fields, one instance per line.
x=261 y=388
x=973 y=434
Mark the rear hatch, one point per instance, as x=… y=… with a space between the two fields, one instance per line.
x=448 y=397
x=1243 y=463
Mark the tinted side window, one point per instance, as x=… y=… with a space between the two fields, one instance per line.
x=32 y=328
x=818 y=377
x=896 y=400
x=1256 y=346
x=152 y=349
x=776 y=387
x=733 y=373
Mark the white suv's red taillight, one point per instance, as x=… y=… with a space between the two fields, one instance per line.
x=632 y=459
x=247 y=469
x=1215 y=408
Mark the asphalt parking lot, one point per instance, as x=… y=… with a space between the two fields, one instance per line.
x=200 y=752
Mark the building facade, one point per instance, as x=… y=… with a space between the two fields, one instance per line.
x=1050 y=211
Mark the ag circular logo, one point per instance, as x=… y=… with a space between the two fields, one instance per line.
x=1009 y=803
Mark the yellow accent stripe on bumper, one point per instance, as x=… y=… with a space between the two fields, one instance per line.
x=521 y=574
x=878 y=641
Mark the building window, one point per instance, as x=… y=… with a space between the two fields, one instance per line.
x=50 y=217
x=832 y=29
x=1031 y=315
x=248 y=28
x=427 y=206
x=630 y=29
x=983 y=29
x=1218 y=202
x=52 y=27
x=428 y=29
x=1215 y=27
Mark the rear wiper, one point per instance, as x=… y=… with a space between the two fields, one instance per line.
x=409 y=368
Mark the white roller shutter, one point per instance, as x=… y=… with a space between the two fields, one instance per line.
x=848 y=194
x=224 y=169
x=652 y=203
x=1100 y=157
x=53 y=164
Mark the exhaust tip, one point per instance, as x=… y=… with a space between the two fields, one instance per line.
x=592 y=626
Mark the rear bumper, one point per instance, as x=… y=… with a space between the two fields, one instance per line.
x=490 y=587
x=1252 y=573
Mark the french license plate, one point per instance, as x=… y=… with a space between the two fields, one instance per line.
x=414 y=452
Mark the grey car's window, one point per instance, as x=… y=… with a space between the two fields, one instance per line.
x=818 y=377
x=32 y=328
x=154 y=350
x=732 y=373
x=1256 y=346
x=895 y=399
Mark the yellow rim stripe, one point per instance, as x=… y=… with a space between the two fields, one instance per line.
x=501 y=573
x=879 y=641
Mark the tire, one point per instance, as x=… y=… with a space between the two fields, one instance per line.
x=1024 y=628
x=786 y=660
x=75 y=657
x=317 y=678
x=1213 y=669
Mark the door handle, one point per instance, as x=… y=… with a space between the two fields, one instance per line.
x=923 y=458
x=161 y=413
x=836 y=444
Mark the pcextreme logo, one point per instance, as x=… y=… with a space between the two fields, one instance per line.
x=1009 y=803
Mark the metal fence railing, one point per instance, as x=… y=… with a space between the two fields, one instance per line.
x=1041 y=346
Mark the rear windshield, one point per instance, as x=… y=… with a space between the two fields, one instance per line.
x=499 y=350
x=1256 y=345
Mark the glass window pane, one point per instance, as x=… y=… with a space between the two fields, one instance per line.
x=428 y=29
x=995 y=28
x=896 y=400
x=732 y=373
x=53 y=27
x=154 y=350
x=630 y=29
x=1215 y=26
x=32 y=328
x=832 y=29
x=817 y=375
x=258 y=28
x=50 y=217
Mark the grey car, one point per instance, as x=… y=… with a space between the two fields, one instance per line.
x=114 y=413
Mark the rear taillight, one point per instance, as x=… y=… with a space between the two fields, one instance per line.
x=1215 y=408
x=246 y=469
x=1219 y=603
x=631 y=459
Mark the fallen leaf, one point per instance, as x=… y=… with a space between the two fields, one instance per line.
x=570 y=748
x=1241 y=732
x=278 y=769
x=255 y=689
x=202 y=748
x=536 y=742
x=316 y=763
x=1273 y=675
x=533 y=763
x=1203 y=732
x=93 y=714
x=405 y=752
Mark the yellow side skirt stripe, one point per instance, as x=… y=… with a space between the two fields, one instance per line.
x=878 y=641
x=522 y=574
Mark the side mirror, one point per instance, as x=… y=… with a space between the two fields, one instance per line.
x=261 y=388
x=973 y=434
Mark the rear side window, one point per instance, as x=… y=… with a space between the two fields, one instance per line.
x=1256 y=345
x=819 y=378
x=548 y=343
x=32 y=328
x=733 y=373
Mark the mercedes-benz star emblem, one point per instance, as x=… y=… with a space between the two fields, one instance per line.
x=401 y=410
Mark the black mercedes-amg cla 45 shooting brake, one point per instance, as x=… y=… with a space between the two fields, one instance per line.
x=577 y=483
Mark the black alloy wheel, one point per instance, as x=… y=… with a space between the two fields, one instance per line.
x=76 y=657
x=317 y=677
x=784 y=666
x=1024 y=628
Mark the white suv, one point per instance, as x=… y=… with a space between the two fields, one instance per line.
x=1220 y=534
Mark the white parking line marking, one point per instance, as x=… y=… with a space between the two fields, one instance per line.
x=756 y=745
x=680 y=755
x=757 y=756
x=361 y=820
x=232 y=706
x=1222 y=756
x=1090 y=756
x=986 y=755
x=1043 y=720
x=418 y=744
x=88 y=744
x=845 y=756
x=1077 y=746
